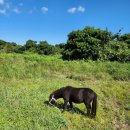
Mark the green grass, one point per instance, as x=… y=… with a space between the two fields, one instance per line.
x=27 y=80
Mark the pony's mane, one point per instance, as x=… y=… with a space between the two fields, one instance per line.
x=59 y=90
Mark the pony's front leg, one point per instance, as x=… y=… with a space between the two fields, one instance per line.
x=65 y=104
x=71 y=105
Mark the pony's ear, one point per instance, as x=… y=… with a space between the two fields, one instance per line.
x=50 y=96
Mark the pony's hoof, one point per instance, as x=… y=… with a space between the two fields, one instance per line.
x=69 y=109
x=93 y=116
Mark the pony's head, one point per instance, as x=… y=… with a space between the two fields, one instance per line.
x=52 y=99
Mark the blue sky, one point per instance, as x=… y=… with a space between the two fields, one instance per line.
x=53 y=20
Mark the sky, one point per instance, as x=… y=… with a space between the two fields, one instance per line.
x=53 y=20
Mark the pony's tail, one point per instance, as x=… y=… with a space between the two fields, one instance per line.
x=94 y=105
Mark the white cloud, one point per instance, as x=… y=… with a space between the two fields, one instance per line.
x=1 y=1
x=72 y=10
x=16 y=10
x=8 y=7
x=76 y=9
x=81 y=9
x=3 y=11
x=44 y=9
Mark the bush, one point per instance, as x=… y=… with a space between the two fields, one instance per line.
x=95 y=44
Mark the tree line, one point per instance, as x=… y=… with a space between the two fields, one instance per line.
x=89 y=43
x=42 y=48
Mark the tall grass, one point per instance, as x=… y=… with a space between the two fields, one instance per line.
x=27 y=80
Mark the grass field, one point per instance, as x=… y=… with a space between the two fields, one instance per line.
x=27 y=80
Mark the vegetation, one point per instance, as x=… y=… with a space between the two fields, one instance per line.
x=42 y=48
x=88 y=44
x=97 y=44
x=26 y=80
x=30 y=72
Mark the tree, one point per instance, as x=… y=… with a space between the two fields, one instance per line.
x=44 y=48
x=2 y=44
x=10 y=47
x=20 y=49
x=94 y=44
x=86 y=43
x=125 y=38
x=117 y=51
x=59 y=48
x=31 y=46
x=61 y=45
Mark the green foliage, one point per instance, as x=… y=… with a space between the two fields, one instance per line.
x=27 y=80
x=125 y=38
x=10 y=47
x=59 y=48
x=31 y=45
x=61 y=45
x=42 y=48
x=45 y=49
x=94 y=44
x=117 y=51
x=2 y=44
x=20 y=49
x=7 y=47
x=86 y=43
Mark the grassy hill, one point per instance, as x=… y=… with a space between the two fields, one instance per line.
x=27 y=80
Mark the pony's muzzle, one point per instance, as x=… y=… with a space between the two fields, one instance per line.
x=52 y=101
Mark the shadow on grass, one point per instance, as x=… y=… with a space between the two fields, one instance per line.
x=72 y=111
